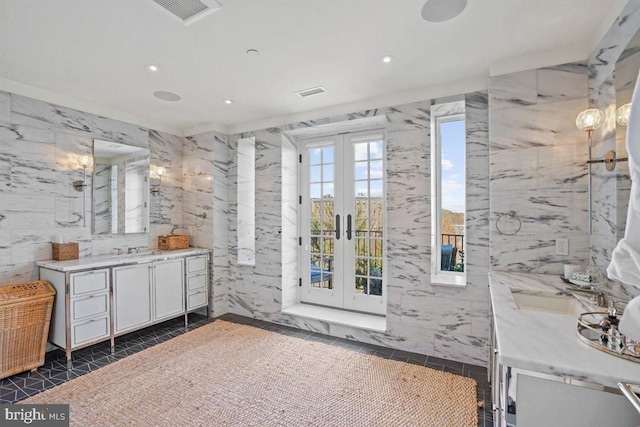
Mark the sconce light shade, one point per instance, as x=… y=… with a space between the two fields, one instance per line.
x=590 y=120
x=159 y=172
x=85 y=161
x=622 y=115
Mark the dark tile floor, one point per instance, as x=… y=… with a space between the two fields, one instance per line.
x=54 y=372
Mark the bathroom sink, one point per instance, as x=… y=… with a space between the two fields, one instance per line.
x=547 y=302
x=132 y=256
x=149 y=252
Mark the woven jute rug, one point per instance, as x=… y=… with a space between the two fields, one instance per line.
x=226 y=374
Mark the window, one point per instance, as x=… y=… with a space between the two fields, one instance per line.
x=448 y=165
x=247 y=201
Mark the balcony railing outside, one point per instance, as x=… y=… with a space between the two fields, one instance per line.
x=457 y=241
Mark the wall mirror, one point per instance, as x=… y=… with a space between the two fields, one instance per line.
x=626 y=73
x=120 y=188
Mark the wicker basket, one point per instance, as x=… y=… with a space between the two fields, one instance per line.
x=173 y=242
x=64 y=251
x=25 y=315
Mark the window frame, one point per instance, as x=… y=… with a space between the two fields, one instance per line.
x=439 y=277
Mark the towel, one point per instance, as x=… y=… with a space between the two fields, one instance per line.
x=630 y=321
x=625 y=259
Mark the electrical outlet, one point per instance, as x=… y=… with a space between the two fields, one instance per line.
x=562 y=246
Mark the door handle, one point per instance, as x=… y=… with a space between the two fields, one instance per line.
x=349 y=227
x=337 y=227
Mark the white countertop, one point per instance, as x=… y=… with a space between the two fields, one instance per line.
x=547 y=342
x=97 y=261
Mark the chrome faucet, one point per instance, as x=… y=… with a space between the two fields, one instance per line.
x=598 y=297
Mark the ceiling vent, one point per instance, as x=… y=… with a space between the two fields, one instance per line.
x=189 y=11
x=311 y=92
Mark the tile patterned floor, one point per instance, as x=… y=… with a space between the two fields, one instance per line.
x=54 y=372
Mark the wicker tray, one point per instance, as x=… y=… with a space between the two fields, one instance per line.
x=172 y=242
x=25 y=315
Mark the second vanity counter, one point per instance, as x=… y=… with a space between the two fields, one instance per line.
x=547 y=342
x=98 y=261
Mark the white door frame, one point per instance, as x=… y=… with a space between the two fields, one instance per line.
x=343 y=294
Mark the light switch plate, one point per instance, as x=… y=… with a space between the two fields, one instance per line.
x=562 y=246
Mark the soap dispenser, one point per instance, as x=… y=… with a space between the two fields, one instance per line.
x=612 y=314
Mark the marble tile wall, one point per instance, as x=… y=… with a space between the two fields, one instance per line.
x=538 y=168
x=102 y=182
x=39 y=145
x=205 y=191
x=433 y=320
x=165 y=211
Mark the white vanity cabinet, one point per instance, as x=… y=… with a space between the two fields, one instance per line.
x=99 y=298
x=525 y=398
x=87 y=296
x=131 y=297
x=197 y=289
x=147 y=293
x=168 y=289
x=89 y=307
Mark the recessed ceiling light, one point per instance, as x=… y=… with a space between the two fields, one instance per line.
x=228 y=101
x=442 y=10
x=387 y=58
x=153 y=68
x=253 y=52
x=167 y=96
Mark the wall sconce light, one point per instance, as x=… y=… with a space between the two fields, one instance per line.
x=622 y=115
x=590 y=120
x=84 y=161
x=155 y=188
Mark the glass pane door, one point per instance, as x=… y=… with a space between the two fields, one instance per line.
x=365 y=204
x=342 y=222
x=320 y=235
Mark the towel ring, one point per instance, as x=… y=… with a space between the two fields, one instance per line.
x=511 y=215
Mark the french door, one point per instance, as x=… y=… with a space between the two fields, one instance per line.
x=342 y=219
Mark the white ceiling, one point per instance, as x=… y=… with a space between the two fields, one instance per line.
x=93 y=53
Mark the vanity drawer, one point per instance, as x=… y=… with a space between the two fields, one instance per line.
x=196 y=282
x=196 y=264
x=89 y=331
x=89 y=306
x=89 y=282
x=197 y=300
